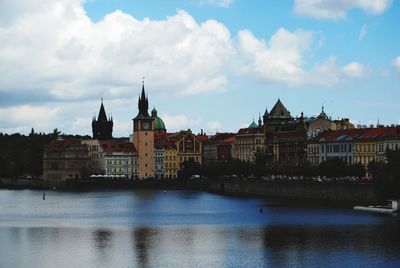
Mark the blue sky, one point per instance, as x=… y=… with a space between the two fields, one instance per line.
x=208 y=64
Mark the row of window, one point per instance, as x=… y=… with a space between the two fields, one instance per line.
x=122 y=162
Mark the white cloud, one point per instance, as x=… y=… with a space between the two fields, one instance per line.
x=396 y=63
x=281 y=60
x=213 y=126
x=51 y=48
x=24 y=117
x=328 y=9
x=222 y=3
x=363 y=32
x=180 y=122
x=355 y=69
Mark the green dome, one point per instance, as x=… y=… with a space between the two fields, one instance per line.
x=158 y=123
x=323 y=115
x=253 y=125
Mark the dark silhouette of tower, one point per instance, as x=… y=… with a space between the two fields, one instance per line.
x=102 y=127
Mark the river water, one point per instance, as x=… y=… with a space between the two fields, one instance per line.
x=187 y=229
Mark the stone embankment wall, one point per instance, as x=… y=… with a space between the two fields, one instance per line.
x=357 y=193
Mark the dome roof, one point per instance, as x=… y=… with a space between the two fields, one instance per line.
x=158 y=123
x=323 y=115
x=253 y=125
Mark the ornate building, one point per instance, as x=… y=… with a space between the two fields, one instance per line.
x=272 y=123
x=102 y=127
x=143 y=138
x=290 y=143
x=249 y=141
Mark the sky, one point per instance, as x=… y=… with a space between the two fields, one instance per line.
x=206 y=64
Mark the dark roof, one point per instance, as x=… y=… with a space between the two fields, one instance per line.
x=279 y=111
x=245 y=131
x=266 y=112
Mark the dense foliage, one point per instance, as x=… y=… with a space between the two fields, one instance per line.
x=20 y=154
x=332 y=168
x=386 y=176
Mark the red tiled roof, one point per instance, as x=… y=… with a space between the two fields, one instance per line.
x=61 y=144
x=229 y=140
x=202 y=137
x=117 y=146
x=359 y=134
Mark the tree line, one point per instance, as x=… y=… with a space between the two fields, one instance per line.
x=23 y=154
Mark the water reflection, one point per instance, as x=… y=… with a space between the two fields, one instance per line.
x=175 y=230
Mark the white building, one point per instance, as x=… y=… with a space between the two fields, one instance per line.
x=121 y=159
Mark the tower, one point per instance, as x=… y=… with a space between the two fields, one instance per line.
x=102 y=127
x=143 y=137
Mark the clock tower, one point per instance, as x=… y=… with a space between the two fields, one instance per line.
x=143 y=138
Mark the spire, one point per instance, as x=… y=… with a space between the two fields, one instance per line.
x=143 y=103
x=102 y=113
x=259 y=120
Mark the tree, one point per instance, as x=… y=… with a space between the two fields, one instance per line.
x=190 y=168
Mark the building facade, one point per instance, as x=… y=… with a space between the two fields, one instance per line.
x=248 y=142
x=96 y=156
x=290 y=143
x=65 y=159
x=121 y=160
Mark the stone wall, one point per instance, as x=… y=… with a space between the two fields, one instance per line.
x=357 y=193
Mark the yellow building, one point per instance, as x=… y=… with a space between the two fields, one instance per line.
x=180 y=147
x=365 y=151
x=171 y=164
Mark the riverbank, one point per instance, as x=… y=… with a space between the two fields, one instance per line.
x=334 y=192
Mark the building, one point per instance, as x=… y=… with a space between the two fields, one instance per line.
x=210 y=147
x=121 y=159
x=248 y=142
x=290 y=143
x=65 y=159
x=143 y=138
x=96 y=156
x=159 y=154
x=316 y=125
x=332 y=144
x=102 y=127
x=226 y=150
x=171 y=164
x=357 y=145
x=272 y=123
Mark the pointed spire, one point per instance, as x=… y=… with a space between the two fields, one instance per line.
x=102 y=113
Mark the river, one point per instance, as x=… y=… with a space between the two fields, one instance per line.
x=187 y=229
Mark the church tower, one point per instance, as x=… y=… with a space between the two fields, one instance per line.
x=102 y=127
x=143 y=137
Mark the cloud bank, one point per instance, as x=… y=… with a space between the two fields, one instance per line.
x=51 y=51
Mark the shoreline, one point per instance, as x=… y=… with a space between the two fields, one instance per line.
x=340 y=194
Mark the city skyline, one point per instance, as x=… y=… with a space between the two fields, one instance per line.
x=212 y=65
